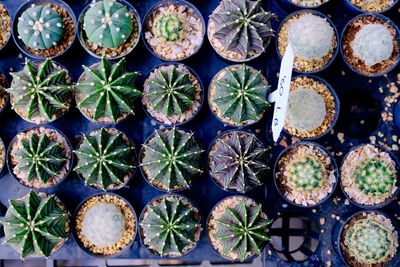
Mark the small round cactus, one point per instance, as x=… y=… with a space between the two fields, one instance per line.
x=238 y=95
x=105 y=92
x=306 y=174
x=108 y=23
x=170 y=159
x=238 y=228
x=40 y=27
x=170 y=226
x=169 y=27
x=36 y=224
x=105 y=158
x=237 y=161
x=41 y=92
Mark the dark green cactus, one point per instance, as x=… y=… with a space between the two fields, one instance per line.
x=375 y=177
x=240 y=95
x=106 y=91
x=369 y=241
x=306 y=174
x=105 y=158
x=169 y=27
x=242 y=26
x=171 y=159
x=40 y=27
x=41 y=92
x=238 y=161
x=171 y=92
x=242 y=229
x=36 y=224
x=39 y=158
x=171 y=226
x=108 y=23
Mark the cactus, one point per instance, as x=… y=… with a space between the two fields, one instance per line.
x=41 y=92
x=169 y=27
x=40 y=27
x=237 y=161
x=240 y=95
x=171 y=226
x=105 y=158
x=106 y=91
x=171 y=92
x=306 y=174
x=375 y=177
x=39 y=158
x=242 y=26
x=108 y=23
x=36 y=224
x=171 y=159
x=369 y=241
x=242 y=229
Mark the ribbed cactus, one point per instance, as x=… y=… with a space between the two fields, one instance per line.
x=40 y=27
x=237 y=161
x=108 y=23
x=242 y=229
x=170 y=91
x=171 y=159
x=240 y=95
x=39 y=158
x=169 y=27
x=170 y=226
x=41 y=91
x=105 y=158
x=369 y=241
x=306 y=174
x=375 y=177
x=242 y=26
x=106 y=91
x=36 y=224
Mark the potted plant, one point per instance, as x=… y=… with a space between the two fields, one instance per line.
x=106 y=159
x=235 y=87
x=376 y=6
x=5 y=26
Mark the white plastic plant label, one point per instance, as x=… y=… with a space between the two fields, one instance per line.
x=281 y=94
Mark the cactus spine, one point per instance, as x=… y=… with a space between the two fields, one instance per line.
x=169 y=27
x=306 y=174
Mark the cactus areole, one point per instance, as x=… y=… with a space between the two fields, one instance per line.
x=169 y=27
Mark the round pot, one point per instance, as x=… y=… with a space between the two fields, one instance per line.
x=174 y=2
x=82 y=36
x=275 y=173
x=201 y=95
x=354 y=9
x=316 y=13
x=25 y=6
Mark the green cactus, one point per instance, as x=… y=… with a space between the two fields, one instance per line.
x=171 y=159
x=375 y=177
x=40 y=158
x=306 y=174
x=171 y=91
x=106 y=91
x=36 y=224
x=242 y=26
x=240 y=95
x=242 y=229
x=171 y=226
x=40 y=27
x=108 y=23
x=41 y=92
x=105 y=158
x=238 y=161
x=169 y=27
x=369 y=241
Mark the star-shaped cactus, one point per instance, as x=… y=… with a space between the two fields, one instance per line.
x=240 y=95
x=106 y=91
x=237 y=161
x=36 y=224
x=171 y=159
x=170 y=226
x=41 y=91
x=105 y=158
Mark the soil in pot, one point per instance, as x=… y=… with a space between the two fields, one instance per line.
x=5 y=25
